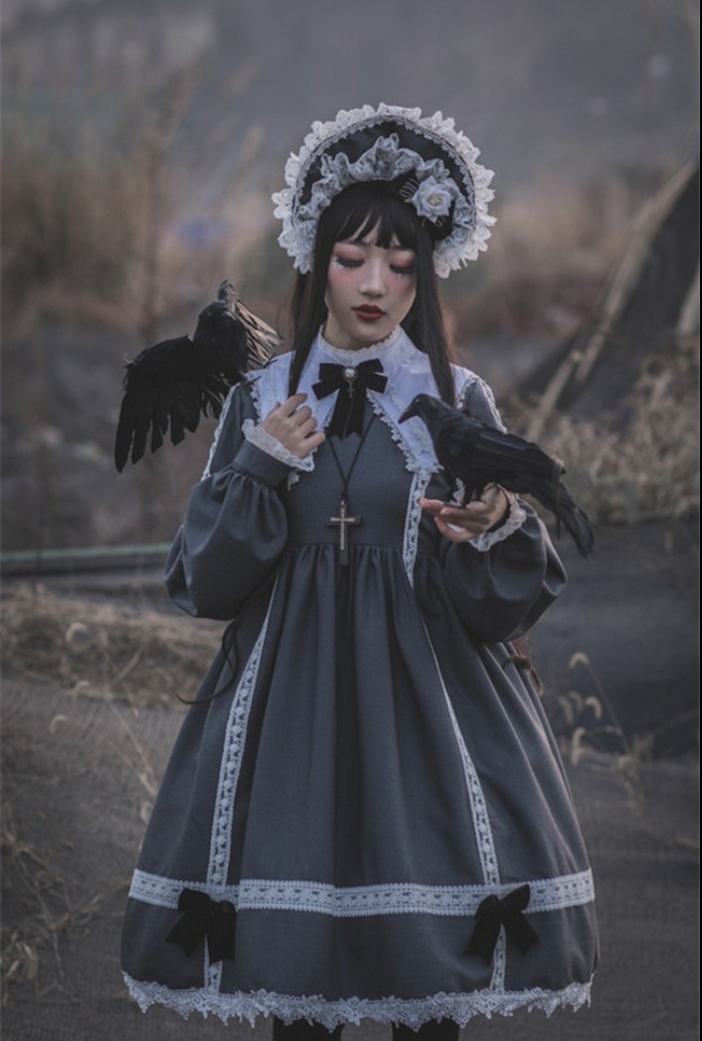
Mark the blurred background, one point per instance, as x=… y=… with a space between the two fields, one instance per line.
x=142 y=141
x=141 y=144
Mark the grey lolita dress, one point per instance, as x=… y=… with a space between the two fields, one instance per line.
x=375 y=768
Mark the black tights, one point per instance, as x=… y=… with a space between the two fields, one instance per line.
x=445 y=1030
x=301 y=1030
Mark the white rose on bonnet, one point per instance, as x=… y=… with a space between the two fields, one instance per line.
x=432 y=199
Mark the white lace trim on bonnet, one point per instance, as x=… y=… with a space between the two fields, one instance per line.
x=433 y=193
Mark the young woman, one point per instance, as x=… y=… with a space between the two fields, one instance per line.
x=365 y=814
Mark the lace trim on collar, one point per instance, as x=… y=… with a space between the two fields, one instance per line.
x=355 y=357
x=409 y=373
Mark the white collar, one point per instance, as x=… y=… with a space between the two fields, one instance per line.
x=355 y=357
x=409 y=373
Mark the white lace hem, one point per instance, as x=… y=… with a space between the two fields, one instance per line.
x=412 y=1012
x=252 y=894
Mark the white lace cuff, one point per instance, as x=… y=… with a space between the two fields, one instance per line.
x=515 y=519
x=259 y=437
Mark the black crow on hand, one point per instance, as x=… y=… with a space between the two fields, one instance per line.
x=478 y=455
x=177 y=381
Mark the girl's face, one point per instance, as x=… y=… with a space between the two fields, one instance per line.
x=370 y=290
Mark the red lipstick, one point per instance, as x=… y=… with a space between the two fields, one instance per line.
x=368 y=313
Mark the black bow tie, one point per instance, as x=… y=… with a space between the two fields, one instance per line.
x=352 y=384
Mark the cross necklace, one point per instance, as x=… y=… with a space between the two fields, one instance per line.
x=345 y=519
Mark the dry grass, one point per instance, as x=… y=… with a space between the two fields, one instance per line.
x=90 y=220
x=92 y=650
x=649 y=469
x=561 y=222
x=67 y=257
x=49 y=911
x=101 y=650
x=551 y=250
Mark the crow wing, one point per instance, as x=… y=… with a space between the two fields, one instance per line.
x=165 y=386
x=172 y=384
x=561 y=503
x=262 y=341
x=479 y=455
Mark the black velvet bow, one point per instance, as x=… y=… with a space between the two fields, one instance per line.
x=493 y=913
x=352 y=384
x=205 y=917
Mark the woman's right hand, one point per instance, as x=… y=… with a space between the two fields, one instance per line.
x=293 y=425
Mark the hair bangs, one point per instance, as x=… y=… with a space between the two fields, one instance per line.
x=363 y=208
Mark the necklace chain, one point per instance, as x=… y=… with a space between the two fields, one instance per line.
x=346 y=477
x=345 y=519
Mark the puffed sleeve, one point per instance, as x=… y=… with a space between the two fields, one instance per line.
x=499 y=593
x=502 y=582
x=235 y=527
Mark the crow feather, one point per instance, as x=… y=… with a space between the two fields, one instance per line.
x=478 y=454
x=171 y=385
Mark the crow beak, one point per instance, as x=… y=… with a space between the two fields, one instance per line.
x=410 y=411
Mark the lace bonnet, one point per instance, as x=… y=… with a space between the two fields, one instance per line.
x=431 y=165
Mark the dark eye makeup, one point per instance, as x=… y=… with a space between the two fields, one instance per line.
x=354 y=262
x=347 y=261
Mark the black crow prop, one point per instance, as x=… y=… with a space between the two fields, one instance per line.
x=174 y=383
x=478 y=454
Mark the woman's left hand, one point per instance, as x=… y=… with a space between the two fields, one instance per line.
x=463 y=523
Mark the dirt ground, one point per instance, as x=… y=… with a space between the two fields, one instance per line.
x=80 y=774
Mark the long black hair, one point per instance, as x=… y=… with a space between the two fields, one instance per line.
x=352 y=214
